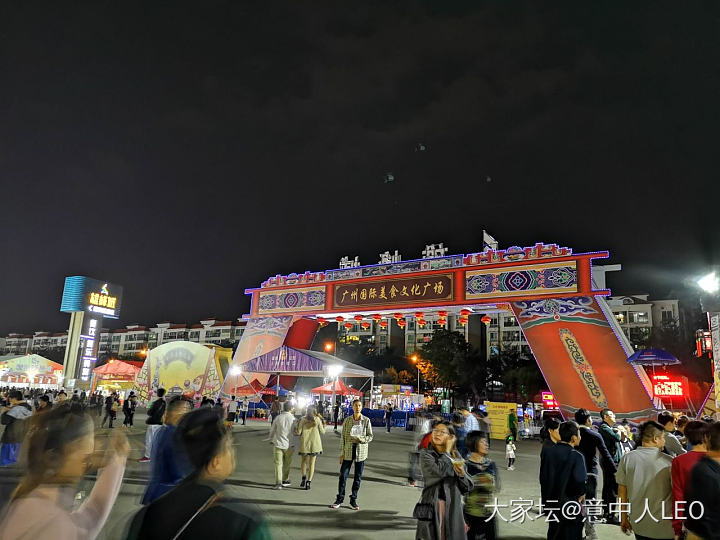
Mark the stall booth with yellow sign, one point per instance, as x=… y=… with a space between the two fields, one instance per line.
x=116 y=375
x=498 y=414
x=400 y=396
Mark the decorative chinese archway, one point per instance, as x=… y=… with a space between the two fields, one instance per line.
x=573 y=335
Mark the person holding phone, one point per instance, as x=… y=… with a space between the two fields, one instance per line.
x=440 y=509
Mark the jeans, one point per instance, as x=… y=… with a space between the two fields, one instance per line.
x=590 y=494
x=110 y=415
x=9 y=453
x=152 y=430
x=610 y=489
x=282 y=459
x=344 y=472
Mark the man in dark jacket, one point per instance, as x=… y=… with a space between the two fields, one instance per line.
x=704 y=489
x=591 y=443
x=562 y=478
x=154 y=421
x=612 y=439
x=13 y=420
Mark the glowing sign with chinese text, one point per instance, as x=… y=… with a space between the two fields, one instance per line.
x=417 y=290
x=664 y=386
x=87 y=294
x=89 y=336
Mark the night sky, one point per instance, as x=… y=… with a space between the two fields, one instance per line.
x=189 y=151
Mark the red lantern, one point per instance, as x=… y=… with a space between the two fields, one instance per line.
x=383 y=324
x=398 y=316
x=421 y=323
x=348 y=326
x=419 y=314
x=401 y=323
x=358 y=318
x=442 y=322
x=339 y=319
x=442 y=314
x=463 y=320
x=377 y=317
x=486 y=320
x=365 y=325
x=465 y=312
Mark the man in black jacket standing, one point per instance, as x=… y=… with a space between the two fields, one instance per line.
x=562 y=478
x=591 y=442
x=704 y=489
x=154 y=421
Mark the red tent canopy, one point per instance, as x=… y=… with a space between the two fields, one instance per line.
x=255 y=387
x=116 y=368
x=340 y=389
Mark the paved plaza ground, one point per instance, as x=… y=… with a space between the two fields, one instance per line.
x=386 y=501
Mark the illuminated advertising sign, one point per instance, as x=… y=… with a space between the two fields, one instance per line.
x=92 y=295
x=89 y=344
x=549 y=402
x=664 y=386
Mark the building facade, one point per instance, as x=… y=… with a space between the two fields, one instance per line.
x=131 y=340
x=638 y=316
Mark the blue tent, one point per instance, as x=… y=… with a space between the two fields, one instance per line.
x=653 y=357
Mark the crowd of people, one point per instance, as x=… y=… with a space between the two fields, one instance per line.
x=660 y=481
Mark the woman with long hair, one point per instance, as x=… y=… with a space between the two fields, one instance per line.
x=310 y=427
x=440 y=509
x=200 y=506
x=58 y=450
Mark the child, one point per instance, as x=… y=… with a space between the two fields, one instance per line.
x=510 y=453
x=483 y=472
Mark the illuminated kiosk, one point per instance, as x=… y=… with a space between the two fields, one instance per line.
x=87 y=300
x=572 y=333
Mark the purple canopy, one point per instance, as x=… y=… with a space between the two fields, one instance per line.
x=301 y=363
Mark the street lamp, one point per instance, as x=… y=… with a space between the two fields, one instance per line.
x=334 y=371
x=329 y=346
x=415 y=360
x=709 y=283
x=236 y=371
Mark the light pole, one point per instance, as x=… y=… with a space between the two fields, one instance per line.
x=334 y=372
x=236 y=371
x=710 y=285
x=416 y=361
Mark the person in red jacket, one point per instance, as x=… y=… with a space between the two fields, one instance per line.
x=696 y=433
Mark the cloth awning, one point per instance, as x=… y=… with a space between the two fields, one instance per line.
x=117 y=368
x=302 y=363
x=341 y=389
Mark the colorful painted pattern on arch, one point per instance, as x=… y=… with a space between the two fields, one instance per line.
x=550 y=278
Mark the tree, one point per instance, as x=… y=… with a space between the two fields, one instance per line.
x=453 y=363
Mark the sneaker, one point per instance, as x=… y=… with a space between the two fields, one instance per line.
x=412 y=483
x=144 y=460
x=278 y=486
x=336 y=504
x=286 y=483
x=354 y=505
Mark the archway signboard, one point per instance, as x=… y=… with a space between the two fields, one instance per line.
x=548 y=289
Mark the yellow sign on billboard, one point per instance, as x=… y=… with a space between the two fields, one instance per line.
x=498 y=415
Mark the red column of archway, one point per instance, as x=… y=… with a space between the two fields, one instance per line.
x=581 y=358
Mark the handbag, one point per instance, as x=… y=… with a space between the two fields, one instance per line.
x=424 y=512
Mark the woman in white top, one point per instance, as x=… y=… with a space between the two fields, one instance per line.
x=59 y=447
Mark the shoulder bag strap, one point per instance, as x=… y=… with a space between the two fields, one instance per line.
x=200 y=510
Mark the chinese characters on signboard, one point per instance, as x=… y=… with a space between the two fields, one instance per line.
x=664 y=386
x=431 y=288
x=90 y=336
